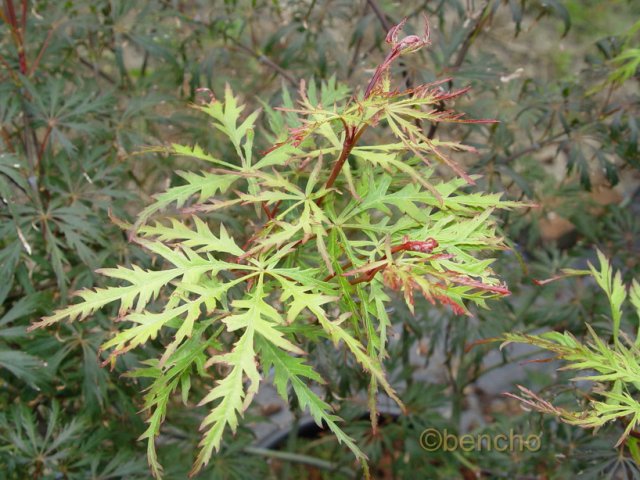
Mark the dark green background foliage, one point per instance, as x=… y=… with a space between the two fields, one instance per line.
x=86 y=85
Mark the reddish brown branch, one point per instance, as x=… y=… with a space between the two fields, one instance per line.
x=45 y=44
x=266 y=210
x=350 y=140
x=274 y=210
x=17 y=34
x=23 y=19
x=424 y=246
x=264 y=60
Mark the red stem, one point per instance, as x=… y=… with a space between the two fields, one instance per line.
x=413 y=245
x=24 y=17
x=17 y=35
x=351 y=138
x=267 y=211
x=11 y=13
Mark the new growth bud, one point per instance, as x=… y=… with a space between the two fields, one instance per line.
x=425 y=246
x=408 y=44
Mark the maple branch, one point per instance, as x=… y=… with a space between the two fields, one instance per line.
x=24 y=16
x=101 y=73
x=384 y=21
x=265 y=60
x=45 y=44
x=471 y=36
x=18 y=35
x=266 y=210
x=350 y=140
x=425 y=246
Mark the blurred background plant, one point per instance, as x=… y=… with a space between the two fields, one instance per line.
x=86 y=84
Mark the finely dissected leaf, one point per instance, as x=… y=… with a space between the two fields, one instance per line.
x=24 y=366
x=27 y=305
x=201 y=237
x=197 y=152
x=148 y=325
x=378 y=297
x=187 y=357
x=329 y=225
x=253 y=315
x=634 y=297
x=227 y=116
x=205 y=185
x=609 y=364
x=262 y=317
x=277 y=157
x=372 y=365
x=301 y=299
x=291 y=370
x=9 y=257
x=613 y=287
x=145 y=286
x=234 y=398
x=615 y=367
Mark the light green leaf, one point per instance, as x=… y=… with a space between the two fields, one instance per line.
x=234 y=399
x=197 y=152
x=202 y=237
x=613 y=287
x=291 y=370
x=205 y=185
x=145 y=286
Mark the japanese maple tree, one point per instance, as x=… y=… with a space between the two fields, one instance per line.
x=335 y=220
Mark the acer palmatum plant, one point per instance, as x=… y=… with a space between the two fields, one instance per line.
x=332 y=224
x=612 y=365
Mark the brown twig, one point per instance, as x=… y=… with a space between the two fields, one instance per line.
x=351 y=138
x=24 y=16
x=100 y=73
x=45 y=44
x=267 y=211
x=356 y=50
x=265 y=60
x=380 y=14
x=11 y=20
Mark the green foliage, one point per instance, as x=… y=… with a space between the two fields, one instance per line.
x=83 y=85
x=322 y=248
x=613 y=367
x=52 y=451
x=626 y=62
